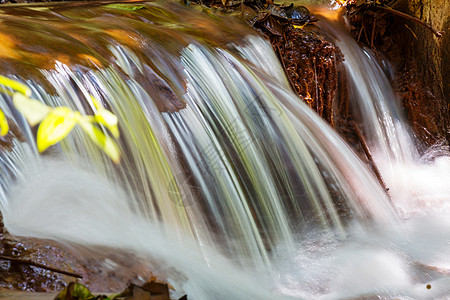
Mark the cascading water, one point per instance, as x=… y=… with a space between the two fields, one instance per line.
x=374 y=103
x=225 y=174
x=411 y=178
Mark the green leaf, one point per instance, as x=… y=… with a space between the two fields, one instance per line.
x=75 y=291
x=106 y=118
x=33 y=110
x=81 y=292
x=15 y=85
x=55 y=127
x=129 y=7
x=108 y=145
x=4 y=127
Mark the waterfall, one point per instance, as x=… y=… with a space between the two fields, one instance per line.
x=415 y=182
x=225 y=174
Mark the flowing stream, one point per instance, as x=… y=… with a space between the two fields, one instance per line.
x=227 y=179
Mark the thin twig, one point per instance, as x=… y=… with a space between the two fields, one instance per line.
x=438 y=34
x=415 y=36
x=370 y=157
x=38 y=265
x=366 y=36
x=373 y=31
x=317 y=88
x=360 y=32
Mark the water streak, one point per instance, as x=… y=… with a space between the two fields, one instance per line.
x=224 y=168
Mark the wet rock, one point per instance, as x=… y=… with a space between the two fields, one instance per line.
x=310 y=63
x=298 y=14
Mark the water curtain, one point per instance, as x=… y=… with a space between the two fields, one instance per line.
x=217 y=152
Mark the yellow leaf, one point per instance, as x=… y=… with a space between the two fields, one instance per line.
x=33 y=110
x=106 y=118
x=108 y=145
x=299 y=26
x=15 y=85
x=342 y=2
x=4 y=128
x=55 y=127
x=97 y=103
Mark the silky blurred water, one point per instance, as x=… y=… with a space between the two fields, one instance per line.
x=228 y=184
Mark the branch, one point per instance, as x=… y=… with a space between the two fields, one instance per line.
x=438 y=34
x=35 y=264
x=370 y=157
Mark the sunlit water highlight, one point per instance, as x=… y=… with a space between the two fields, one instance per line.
x=237 y=189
